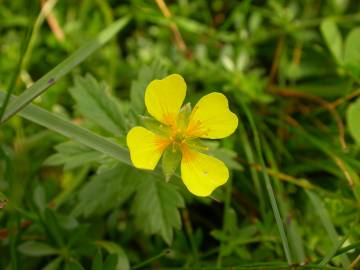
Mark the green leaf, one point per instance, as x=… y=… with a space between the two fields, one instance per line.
x=73 y=265
x=116 y=185
x=170 y=161
x=156 y=207
x=37 y=249
x=70 y=130
x=353 y=116
x=352 y=52
x=274 y=204
x=155 y=126
x=95 y=103
x=63 y=68
x=72 y=155
x=53 y=229
x=110 y=262
x=54 y=264
x=97 y=263
x=39 y=198
x=115 y=249
x=333 y=38
x=23 y=49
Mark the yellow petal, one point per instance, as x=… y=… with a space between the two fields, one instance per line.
x=211 y=118
x=202 y=173
x=163 y=98
x=145 y=147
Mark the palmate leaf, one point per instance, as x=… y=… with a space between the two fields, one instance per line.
x=72 y=155
x=156 y=207
x=106 y=190
x=94 y=102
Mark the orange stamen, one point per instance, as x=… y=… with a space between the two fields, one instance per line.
x=187 y=154
x=162 y=143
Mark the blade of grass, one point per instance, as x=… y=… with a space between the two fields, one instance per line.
x=354 y=246
x=23 y=49
x=333 y=251
x=338 y=158
x=327 y=223
x=250 y=156
x=268 y=185
x=294 y=236
x=63 y=68
x=70 y=130
x=225 y=220
x=38 y=21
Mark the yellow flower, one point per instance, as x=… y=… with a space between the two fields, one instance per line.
x=180 y=130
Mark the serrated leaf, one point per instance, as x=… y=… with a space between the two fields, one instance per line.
x=95 y=103
x=156 y=207
x=37 y=249
x=106 y=190
x=332 y=38
x=72 y=154
x=353 y=116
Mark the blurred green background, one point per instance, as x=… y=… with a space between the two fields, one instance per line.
x=291 y=70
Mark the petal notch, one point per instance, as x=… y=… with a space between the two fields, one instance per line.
x=211 y=118
x=163 y=98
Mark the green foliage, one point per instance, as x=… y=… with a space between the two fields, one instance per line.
x=32 y=248
x=351 y=52
x=69 y=195
x=94 y=103
x=333 y=39
x=353 y=117
x=106 y=190
x=72 y=155
x=156 y=203
x=170 y=162
x=117 y=259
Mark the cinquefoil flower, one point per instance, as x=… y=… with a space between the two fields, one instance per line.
x=179 y=130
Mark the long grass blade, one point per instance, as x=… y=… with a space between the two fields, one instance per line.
x=63 y=68
x=327 y=223
x=250 y=156
x=72 y=131
x=23 y=49
x=268 y=185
